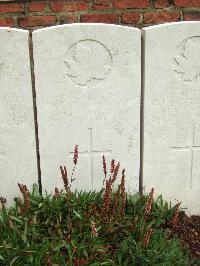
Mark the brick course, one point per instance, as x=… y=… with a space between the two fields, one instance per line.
x=101 y=5
x=130 y=18
x=37 y=7
x=29 y=14
x=6 y=22
x=34 y=21
x=187 y=3
x=191 y=15
x=100 y=18
x=161 y=3
x=68 y=6
x=11 y=8
x=151 y=18
x=126 y=4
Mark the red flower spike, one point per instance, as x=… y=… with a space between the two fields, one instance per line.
x=93 y=229
x=57 y=193
x=175 y=217
x=75 y=155
x=149 y=202
x=123 y=192
x=112 y=166
x=106 y=199
x=63 y=171
x=147 y=237
x=25 y=192
x=104 y=165
x=115 y=173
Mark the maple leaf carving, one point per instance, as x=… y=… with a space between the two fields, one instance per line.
x=89 y=61
x=187 y=63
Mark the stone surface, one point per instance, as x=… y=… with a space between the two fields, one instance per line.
x=17 y=133
x=88 y=93
x=172 y=112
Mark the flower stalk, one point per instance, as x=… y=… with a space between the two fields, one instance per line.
x=25 y=194
x=93 y=229
x=147 y=237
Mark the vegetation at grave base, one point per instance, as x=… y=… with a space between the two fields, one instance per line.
x=89 y=228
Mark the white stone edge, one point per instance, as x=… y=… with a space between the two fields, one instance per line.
x=8 y=29
x=74 y=25
x=168 y=24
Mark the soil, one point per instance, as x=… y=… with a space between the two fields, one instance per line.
x=188 y=230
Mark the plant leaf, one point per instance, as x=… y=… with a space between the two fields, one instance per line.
x=78 y=215
x=13 y=260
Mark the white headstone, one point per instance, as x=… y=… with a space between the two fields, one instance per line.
x=17 y=133
x=172 y=112
x=88 y=93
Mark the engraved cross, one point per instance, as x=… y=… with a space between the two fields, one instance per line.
x=90 y=153
x=191 y=149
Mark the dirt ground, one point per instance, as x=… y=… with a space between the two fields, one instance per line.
x=188 y=230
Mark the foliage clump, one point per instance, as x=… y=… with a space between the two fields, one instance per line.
x=89 y=228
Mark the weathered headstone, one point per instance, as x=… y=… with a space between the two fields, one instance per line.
x=172 y=112
x=17 y=133
x=88 y=93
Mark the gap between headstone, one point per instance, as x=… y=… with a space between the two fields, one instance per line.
x=35 y=112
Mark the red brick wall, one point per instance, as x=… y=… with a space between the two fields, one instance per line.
x=42 y=13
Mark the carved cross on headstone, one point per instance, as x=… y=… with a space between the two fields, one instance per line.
x=191 y=148
x=90 y=153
